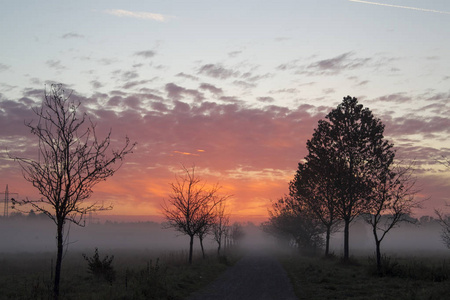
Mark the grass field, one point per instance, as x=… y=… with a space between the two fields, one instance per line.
x=402 y=278
x=138 y=275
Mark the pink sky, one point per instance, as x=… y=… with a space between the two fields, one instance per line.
x=251 y=152
x=233 y=87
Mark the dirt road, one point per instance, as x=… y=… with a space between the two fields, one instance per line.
x=255 y=276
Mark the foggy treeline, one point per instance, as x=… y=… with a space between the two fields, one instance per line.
x=35 y=233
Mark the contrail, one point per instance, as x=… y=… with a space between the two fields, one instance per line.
x=400 y=6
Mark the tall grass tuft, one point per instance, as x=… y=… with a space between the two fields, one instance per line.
x=413 y=268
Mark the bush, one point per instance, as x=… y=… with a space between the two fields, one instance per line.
x=101 y=268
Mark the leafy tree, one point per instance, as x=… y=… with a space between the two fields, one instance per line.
x=393 y=201
x=314 y=189
x=351 y=141
x=71 y=161
x=289 y=220
x=190 y=207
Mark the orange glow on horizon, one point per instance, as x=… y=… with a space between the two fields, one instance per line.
x=250 y=192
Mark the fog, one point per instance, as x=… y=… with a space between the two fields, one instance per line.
x=38 y=235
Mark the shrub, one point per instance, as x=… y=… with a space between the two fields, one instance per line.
x=101 y=268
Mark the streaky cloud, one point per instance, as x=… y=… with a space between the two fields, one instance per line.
x=401 y=6
x=138 y=15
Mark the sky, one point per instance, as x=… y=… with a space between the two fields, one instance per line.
x=234 y=88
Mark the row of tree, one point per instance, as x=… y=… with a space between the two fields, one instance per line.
x=197 y=210
x=349 y=171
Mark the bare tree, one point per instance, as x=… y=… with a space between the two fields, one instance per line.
x=220 y=225
x=71 y=160
x=191 y=205
x=237 y=233
x=444 y=219
x=393 y=201
x=206 y=228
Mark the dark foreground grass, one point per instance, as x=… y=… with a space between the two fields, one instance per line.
x=406 y=278
x=138 y=275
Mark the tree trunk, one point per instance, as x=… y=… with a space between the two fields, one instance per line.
x=201 y=246
x=346 y=239
x=378 y=244
x=218 y=249
x=191 y=244
x=327 y=241
x=59 y=237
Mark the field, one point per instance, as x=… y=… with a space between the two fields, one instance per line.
x=149 y=264
x=138 y=275
x=403 y=277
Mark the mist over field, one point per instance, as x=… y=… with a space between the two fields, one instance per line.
x=38 y=235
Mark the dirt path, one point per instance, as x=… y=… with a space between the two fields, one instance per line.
x=255 y=276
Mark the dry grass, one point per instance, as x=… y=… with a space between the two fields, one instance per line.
x=319 y=278
x=139 y=275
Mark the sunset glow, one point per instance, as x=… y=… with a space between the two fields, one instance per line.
x=234 y=88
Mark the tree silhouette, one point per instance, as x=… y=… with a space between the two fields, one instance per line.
x=351 y=141
x=313 y=188
x=71 y=161
x=288 y=219
x=444 y=219
x=190 y=207
x=220 y=225
x=393 y=201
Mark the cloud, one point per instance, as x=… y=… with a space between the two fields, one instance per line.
x=394 y=98
x=128 y=75
x=55 y=64
x=329 y=91
x=132 y=84
x=96 y=84
x=244 y=84
x=177 y=92
x=3 y=67
x=211 y=88
x=139 y=15
x=252 y=151
x=337 y=64
x=265 y=99
x=234 y=53
x=184 y=75
x=146 y=54
x=253 y=78
x=400 y=6
x=107 y=61
x=72 y=35
x=217 y=71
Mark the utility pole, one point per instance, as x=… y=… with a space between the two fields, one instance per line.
x=7 y=195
